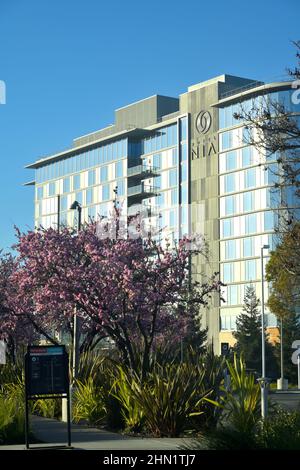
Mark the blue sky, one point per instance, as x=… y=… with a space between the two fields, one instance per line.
x=68 y=64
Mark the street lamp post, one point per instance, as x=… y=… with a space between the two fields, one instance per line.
x=76 y=322
x=76 y=333
x=263 y=380
x=298 y=364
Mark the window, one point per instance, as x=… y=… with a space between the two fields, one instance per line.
x=229 y=205
x=232 y=295
x=228 y=322
x=248 y=247
x=174 y=157
x=157 y=160
x=229 y=183
x=248 y=201
x=230 y=249
x=173 y=218
x=160 y=200
x=78 y=197
x=64 y=203
x=76 y=182
x=271 y=174
x=228 y=272
x=247 y=134
x=249 y=178
x=247 y=157
x=157 y=182
x=231 y=161
x=174 y=197
x=89 y=196
x=173 y=177
x=103 y=210
x=66 y=185
x=250 y=223
x=52 y=189
x=271 y=320
x=103 y=174
x=227 y=228
x=91 y=212
x=105 y=191
x=121 y=187
x=268 y=220
x=119 y=169
x=184 y=171
x=183 y=129
x=250 y=270
x=91 y=177
x=183 y=152
x=39 y=192
x=226 y=140
x=63 y=219
x=184 y=193
x=184 y=215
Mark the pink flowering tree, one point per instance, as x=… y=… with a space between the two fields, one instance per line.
x=15 y=329
x=131 y=290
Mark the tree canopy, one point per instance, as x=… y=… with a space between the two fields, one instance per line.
x=132 y=291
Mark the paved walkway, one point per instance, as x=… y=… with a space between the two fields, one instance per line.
x=287 y=399
x=52 y=432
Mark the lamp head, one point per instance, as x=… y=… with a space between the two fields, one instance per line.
x=75 y=205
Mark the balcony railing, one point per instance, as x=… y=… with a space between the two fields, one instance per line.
x=144 y=210
x=142 y=189
x=144 y=171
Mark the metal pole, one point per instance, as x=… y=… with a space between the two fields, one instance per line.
x=26 y=402
x=69 y=417
x=298 y=361
x=76 y=338
x=76 y=331
x=79 y=218
x=263 y=381
x=58 y=213
x=263 y=350
x=181 y=350
x=281 y=354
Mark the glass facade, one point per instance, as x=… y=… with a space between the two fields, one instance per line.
x=151 y=169
x=92 y=177
x=248 y=217
x=82 y=161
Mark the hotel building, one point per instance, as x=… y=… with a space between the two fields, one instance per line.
x=186 y=163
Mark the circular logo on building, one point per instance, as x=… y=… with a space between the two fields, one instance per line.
x=203 y=122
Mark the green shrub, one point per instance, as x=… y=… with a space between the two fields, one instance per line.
x=103 y=371
x=242 y=401
x=281 y=430
x=10 y=373
x=12 y=413
x=50 y=408
x=213 y=367
x=122 y=390
x=88 y=403
x=170 y=396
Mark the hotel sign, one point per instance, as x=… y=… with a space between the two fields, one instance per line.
x=204 y=145
x=203 y=122
x=204 y=148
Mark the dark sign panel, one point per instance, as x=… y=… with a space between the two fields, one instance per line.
x=47 y=370
x=224 y=348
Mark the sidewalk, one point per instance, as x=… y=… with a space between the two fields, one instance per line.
x=51 y=431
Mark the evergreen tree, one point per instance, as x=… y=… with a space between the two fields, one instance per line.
x=248 y=336
x=291 y=332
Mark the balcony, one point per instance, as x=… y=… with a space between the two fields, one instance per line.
x=144 y=210
x=141 y=172
x=141 y=191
